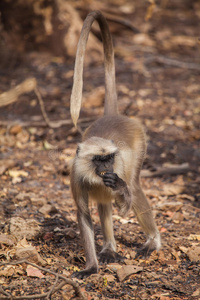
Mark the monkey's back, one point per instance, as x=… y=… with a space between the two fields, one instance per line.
x=119 y=129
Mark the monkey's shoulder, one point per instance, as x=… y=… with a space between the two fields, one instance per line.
x=115 y=127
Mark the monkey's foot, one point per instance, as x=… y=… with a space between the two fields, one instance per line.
x=85 y=273
x=110 y=256
x=150 y=245
x=144 y=252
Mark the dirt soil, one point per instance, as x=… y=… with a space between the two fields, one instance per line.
x=158 y=74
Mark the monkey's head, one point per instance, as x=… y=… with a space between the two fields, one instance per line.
x=95 y=157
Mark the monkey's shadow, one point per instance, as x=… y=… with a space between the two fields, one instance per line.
x=63 y=238
x=60 y=235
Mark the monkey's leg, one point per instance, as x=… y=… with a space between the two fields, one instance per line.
x=144 y=215
x=87 y=235
x=108 y=253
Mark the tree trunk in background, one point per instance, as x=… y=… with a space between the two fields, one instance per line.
x=52 y=26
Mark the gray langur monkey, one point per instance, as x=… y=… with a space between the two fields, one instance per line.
x=108 y=161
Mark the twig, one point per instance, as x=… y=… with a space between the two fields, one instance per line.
x=173 y=62
x=51 y=124
x=121 y=21
x=12 y=95
x=44 y=124
x=192 y=207
x=53 y=289
x=178 y=169
x=4 y=292
x=28 y=86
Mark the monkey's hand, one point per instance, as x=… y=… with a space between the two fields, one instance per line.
x=123 y=196
x=113 y=181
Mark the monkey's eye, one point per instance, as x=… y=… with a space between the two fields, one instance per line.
x=97 y=157
x=112 y=155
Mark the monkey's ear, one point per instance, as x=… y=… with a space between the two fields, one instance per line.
x=77 y=150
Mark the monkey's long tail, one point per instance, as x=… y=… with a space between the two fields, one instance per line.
x=110 y=106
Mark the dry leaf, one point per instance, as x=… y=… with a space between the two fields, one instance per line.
x=178 y=217
x=46 y=209
x=172 y=206
x=185 y=196
x=114 y=267
x=109 y=277
x=34 y=272
x=196 y=293
x=5 y=165
x=29 y=253
x=6 y=240
x=143 y=39
x=163 y=229
x=126 y=271
x=94 y=98
x=193 y=252
x=182 y=40
x=17 y=173
x=172 y=189
x=23 y=243
x=21 y=228
x=194 y=237
x=15 y=129
x=48 y=146
x=7 y=271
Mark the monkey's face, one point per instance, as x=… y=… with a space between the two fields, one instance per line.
x=103 y=163
x=95 y=157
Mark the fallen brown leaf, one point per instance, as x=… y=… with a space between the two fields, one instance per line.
x=34 y=272
x=126 y=271
x=21 y=228
x=6 y=240
x=193 y=252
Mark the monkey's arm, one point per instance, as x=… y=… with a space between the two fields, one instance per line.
x=123 y=195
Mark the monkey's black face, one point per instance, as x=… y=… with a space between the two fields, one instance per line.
x=103 y=163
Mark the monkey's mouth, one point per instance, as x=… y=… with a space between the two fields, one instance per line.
x=102 y=173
